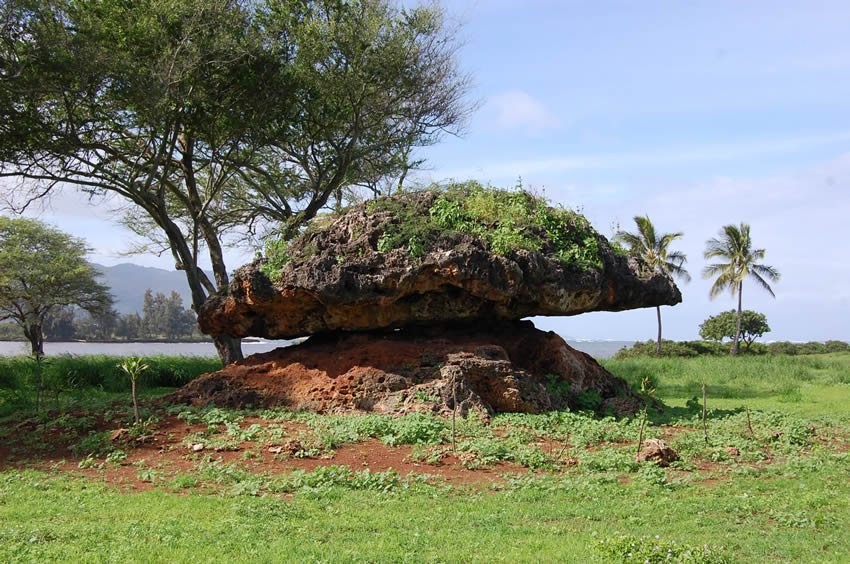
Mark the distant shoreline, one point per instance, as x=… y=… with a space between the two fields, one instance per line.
x=109 y=341
x=597 y=349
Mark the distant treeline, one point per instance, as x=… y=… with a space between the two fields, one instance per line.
x=714 y=348
x=162 y=317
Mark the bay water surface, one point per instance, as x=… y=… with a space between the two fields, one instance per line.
x=596 y=349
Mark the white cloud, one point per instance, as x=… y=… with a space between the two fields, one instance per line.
x=799 y=218
x=515 y=109
x=669 y=156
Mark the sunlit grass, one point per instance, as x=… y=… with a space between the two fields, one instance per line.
x=805 y=385
x=768 y=485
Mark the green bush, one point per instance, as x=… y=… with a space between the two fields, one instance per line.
x=668 y=349
x=782 y=347
x=812 y=347
x=505 y=220
x=837 y=346
x=712 y=348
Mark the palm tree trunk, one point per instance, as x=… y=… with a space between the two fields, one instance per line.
x=738 y=325
x=658 y=346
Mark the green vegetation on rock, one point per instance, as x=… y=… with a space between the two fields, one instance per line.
x=505 y=220
x=511 y=220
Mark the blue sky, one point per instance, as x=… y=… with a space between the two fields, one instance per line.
x=699 y=114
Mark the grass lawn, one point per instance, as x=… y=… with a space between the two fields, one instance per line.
x=212 y=484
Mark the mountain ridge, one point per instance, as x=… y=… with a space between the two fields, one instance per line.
x=127 y=282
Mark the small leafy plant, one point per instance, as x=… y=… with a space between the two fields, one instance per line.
x=630 y=548
x=134 y=367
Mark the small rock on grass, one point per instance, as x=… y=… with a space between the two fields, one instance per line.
x=657 y=451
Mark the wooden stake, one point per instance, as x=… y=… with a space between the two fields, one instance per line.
x=749 y=425
x=640 y=437
x=454 y=408
x=704 y=409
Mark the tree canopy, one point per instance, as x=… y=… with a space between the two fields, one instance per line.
x=739 y=259
x=725 y=325
x=655 y=251
x=211 y=118
x=164 y=315
x=43 y=270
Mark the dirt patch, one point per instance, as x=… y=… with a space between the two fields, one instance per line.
x=167 y=454
x=510 y=367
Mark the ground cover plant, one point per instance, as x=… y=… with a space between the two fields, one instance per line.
x=505 y=221
x=766 y=480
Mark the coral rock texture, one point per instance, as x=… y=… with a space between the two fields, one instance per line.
x=341 y=281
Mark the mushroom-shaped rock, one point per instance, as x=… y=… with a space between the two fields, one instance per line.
x=431 y=258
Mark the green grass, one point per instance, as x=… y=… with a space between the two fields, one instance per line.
x=782 y=496
x=531 y=519
x=805 y=385
x=71 y=379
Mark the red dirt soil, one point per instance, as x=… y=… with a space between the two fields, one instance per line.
x=168 y=456
x=504 y=368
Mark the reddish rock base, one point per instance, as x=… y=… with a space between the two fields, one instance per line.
x=511 y=367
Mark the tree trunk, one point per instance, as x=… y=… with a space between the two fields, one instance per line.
x=737 y=339
x=35 y=334
x=229 y=349
x=658 y=347
x=136 y=415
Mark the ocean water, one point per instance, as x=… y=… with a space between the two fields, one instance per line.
x=596 y=349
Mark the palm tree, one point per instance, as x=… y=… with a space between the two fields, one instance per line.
x=653 y=249
x=736 y=248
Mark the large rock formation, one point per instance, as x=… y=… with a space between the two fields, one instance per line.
x=508 y=367
x=340 y=281
x=408 y=314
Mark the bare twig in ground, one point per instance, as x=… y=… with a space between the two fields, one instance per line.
x=704 y=410
x=749 y=424
x=561 y=452
x=640 y=436
x=454 y=409
x=648 y=391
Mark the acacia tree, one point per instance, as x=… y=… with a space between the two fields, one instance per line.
x=654 y=250
x=43 y=270
x=724 y=325
x=735 y=248
x=210 y=118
